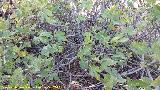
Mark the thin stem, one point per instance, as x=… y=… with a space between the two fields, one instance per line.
x=4 y=52
x=143 y=57
x=149 y=74
x=69 y=62
x=131 y=71
x=92 y=86
x=80 y=75
x=154 y=61
x=143 y=70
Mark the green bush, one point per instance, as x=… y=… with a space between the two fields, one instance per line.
x=33 y=33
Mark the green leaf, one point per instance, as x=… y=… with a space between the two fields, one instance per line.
x=17 y=79
x=151 y=1
x=139 y=47
x=103 y=37
x=141 y=83
x=46 y=50
x=119 y=56
x=105 y=14
x=2 y=25
x=156 y=82
x=37 y=82
x=128 y=31
x=87 y=38
x=56 y=48
x=107 y=62
x=16 y=49
x=84 y=64
x=22 y=30
x=116 y=38
x=47 y=62
x=44 y=37
x=60 y=36
x=35 y=64
x=46 y=34
x=156 y=50
x=9 y=67
x=51 y=20
x=108 y=81
x=22 y=53
x=117 y=77
x=50 y=49
x=45 y=72
x=122 y=40
x=47 y=12
x=85 y=50
x=80 y=18
x=7 y=34
x=94 y=71
x=42 y=16
x=1 y=51
x=26 y=44
x=87 y=4
x=54 y=76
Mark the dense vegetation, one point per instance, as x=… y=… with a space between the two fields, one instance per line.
x=80 y=44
